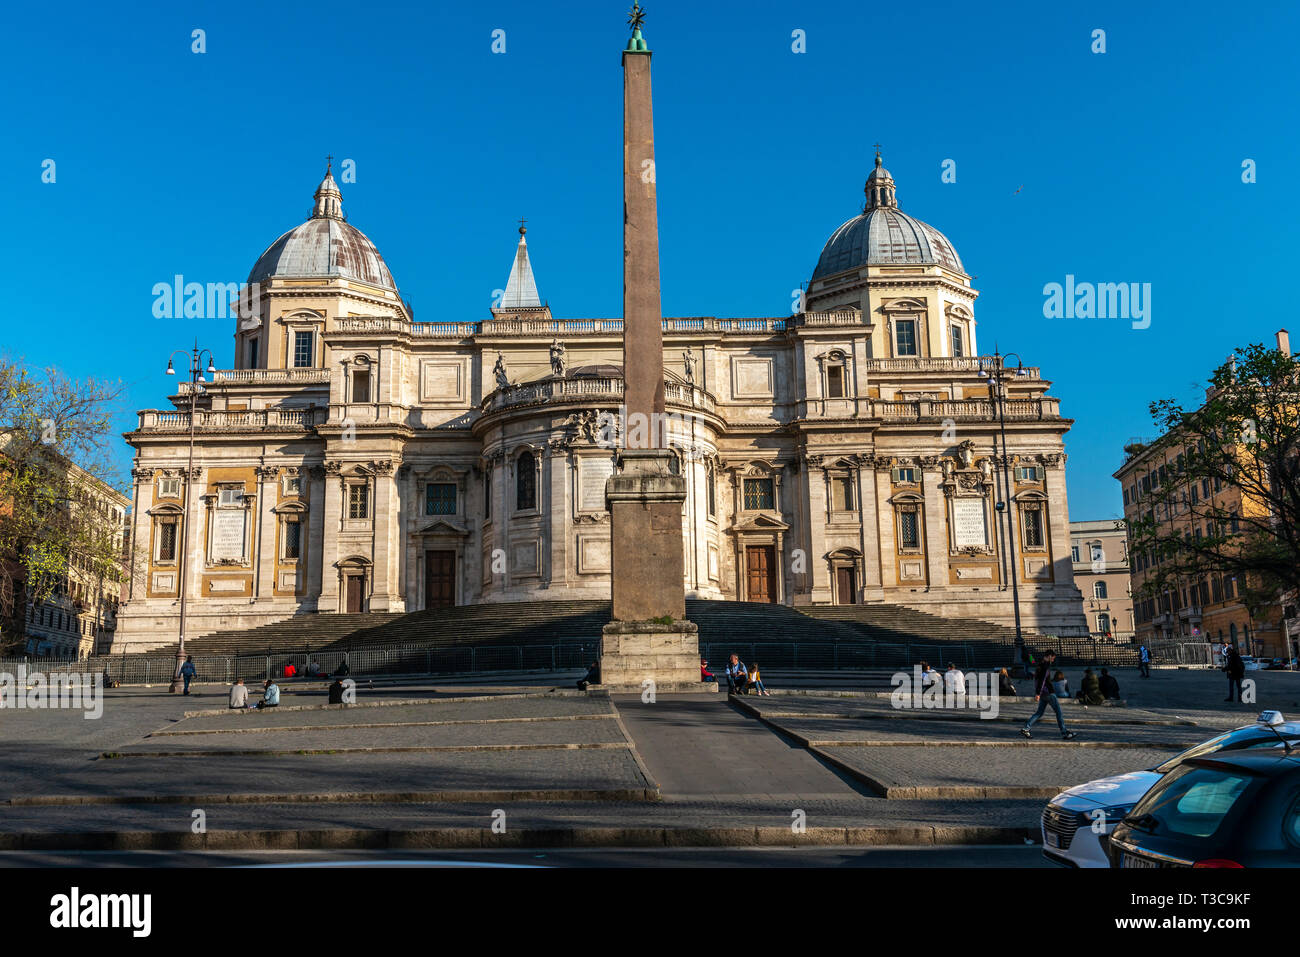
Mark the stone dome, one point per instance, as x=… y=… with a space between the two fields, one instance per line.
x=884 y=234
x=324 y=247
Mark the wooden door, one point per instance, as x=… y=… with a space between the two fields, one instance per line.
x=846 y=591
x=439 y=579
x=761 y=570
x=354 y=596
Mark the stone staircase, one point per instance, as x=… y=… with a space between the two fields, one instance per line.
x=573 y=622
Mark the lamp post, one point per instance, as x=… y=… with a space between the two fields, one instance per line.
x=195 y=356
x=994 y=372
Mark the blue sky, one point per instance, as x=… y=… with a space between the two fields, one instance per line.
x=1116 y=167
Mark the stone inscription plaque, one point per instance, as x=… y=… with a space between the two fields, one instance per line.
x=968 y=522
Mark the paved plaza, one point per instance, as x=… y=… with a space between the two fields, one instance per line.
x=522 y=764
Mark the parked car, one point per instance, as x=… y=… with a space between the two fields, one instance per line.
x=1250 y=663
x=1236 y=809
x=1077 y=824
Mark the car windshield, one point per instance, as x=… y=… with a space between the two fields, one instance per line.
x=1252 y=737
x=1190 y=802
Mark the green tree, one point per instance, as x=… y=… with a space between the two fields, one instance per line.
x=1246 y=437
x=55 y=462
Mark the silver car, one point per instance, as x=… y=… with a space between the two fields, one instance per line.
x=1077 y=823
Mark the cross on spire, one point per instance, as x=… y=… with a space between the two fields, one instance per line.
x=329 y=162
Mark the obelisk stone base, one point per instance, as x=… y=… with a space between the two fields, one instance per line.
x=649 y=636
x=634 y=652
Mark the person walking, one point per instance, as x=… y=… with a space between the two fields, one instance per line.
x=1236 y=669
x=1045 y=696
x=187 y=672
x=1144 y=661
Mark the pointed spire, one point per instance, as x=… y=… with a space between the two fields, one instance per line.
x=521 y=289
x=880 y=187
x=329 y=201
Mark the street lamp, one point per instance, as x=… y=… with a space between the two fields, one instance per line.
x=195 y=356
x=994 y=372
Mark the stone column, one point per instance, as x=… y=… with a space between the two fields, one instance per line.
x=886 y=526
x=935 y=524
x=869 y=509
x=331 y=522
x=264 y=547
x=819 y=576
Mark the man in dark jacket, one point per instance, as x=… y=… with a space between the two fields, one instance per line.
x=1236 y=669
x=1109 y=686
x=1044 y=695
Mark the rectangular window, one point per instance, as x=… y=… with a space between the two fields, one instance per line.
x=842 y=493
x=230 y=497
x=1074 y=554
x=711 y=483
x=440 y=498
x=1098 y=554
x=292 y=540
x=167 y=542
x=758 y=494
x=252 y=353
x=487 y=493
x=358 y=502
x=293 y=485
x=361 y=385
x=169 y=488
x=958 y=345
x=835 y=382
x=1196 y=494
x=1033 y=528
x=304 y=349
x=1029 y=473
x=905 y=476
x=909 y=530
x=905 y=337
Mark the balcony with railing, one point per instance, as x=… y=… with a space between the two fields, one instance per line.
x=243 y=420
x=595 y=389
x=537 y=324
x=1044 y=407
x=949 y=364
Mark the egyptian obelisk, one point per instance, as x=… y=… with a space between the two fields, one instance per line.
x=649 y=638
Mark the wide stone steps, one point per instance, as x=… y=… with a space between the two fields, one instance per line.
x=567 y=622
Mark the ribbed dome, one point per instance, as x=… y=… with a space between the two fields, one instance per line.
x=324 y=247
x=884 y=234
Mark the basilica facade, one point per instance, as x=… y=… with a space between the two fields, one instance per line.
x=357 y=460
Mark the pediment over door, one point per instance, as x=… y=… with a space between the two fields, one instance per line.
x=442 y=529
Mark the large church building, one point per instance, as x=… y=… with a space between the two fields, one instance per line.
x=357 y=460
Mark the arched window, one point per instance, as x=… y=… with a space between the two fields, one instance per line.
x=525 y=482
x=1098 y=589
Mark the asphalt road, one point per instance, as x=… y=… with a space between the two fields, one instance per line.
x=943 y=856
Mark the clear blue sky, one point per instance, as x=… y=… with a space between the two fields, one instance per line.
x=1115 y=167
